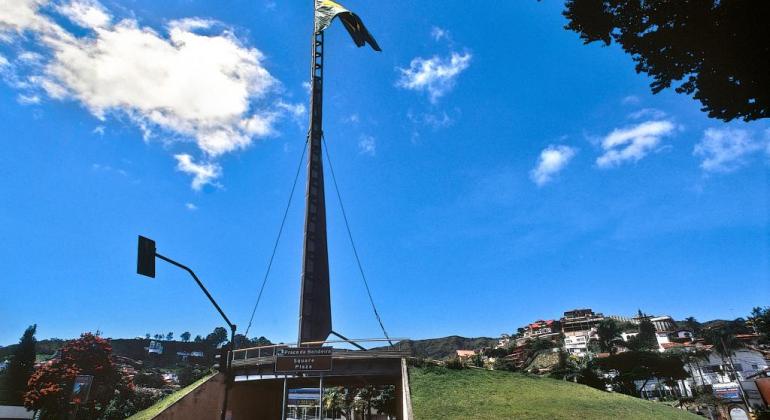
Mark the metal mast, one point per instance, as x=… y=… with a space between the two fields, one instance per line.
x=315 y=319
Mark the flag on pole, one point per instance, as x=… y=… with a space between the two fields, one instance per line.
x=327 y=10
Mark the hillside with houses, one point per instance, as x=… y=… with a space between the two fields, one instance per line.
x=707 y=365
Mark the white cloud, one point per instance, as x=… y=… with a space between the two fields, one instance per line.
x=191 y=24
x=650 y=113
x=22 y=15
x=3 y=61
x=367 y=145
x=435 y=121
x=438 y=33
x=435 y=75
x=177 y=83
x=99 y=129
x=630 y=100
x=191 y=206
x=86 y=13
x=552 y=160
x=28 y=99
x=295 y=110
x=727 y=149
x=632 y=143
x=202 y=173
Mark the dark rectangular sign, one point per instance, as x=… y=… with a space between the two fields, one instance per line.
x=303 y=359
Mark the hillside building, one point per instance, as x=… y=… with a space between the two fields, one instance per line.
x=580 y=320
x=541 y=329
x=504 y=341
x=579 y=328
x=465 y=354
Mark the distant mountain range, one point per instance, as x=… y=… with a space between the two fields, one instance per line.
x=434 y=348
x=437 y=348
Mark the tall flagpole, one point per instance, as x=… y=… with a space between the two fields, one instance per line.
x=315 y=323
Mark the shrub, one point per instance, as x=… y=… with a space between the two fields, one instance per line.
x=454 y=363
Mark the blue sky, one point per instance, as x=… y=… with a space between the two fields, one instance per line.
x=495 y=171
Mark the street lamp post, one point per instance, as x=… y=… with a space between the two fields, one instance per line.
x=145 y=265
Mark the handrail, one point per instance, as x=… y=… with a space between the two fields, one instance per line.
x=273 y=347
x=306 y=343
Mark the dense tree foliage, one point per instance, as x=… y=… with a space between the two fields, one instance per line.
x=693 y=325
x=760 y=320
x=50 y=387
x=646 y=339
x=716 y=50
x=641 y=366
x=217 y=337
x=185 y=336
x=609 y=335
x=22 y=364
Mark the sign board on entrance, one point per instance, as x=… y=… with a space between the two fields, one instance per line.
x=303 y=359
x=728 y=391
x=81 y=388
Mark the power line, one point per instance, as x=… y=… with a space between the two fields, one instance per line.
x=277 y=239
x=352 y=243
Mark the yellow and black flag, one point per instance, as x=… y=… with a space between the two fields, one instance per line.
x=327 y=10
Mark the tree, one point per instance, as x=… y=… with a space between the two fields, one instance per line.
x=690 y=357
x=241 y=341
x=198 y=338
x=347 y=401
x=634 y=366
x=185 y=336
x=217 y=337
x=725 y=342
x=541 y=344
x=385 y=402
x=589 y=377
x=169 y=336
x=332 y=402
x=363 y=400
x=261 y=341
x=50 y=386
x=609 y=335
x=158 y=336
x=646 y=339
x=693 y=325
x=715 y=50
x=22 y=364
x=147 y=336
x=760 y=321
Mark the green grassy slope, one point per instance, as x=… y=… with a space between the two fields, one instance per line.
x=155 y=409
x=481 y=394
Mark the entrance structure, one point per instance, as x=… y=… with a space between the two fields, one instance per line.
x=263 y=376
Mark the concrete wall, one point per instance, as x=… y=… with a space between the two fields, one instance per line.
x=204 y=402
